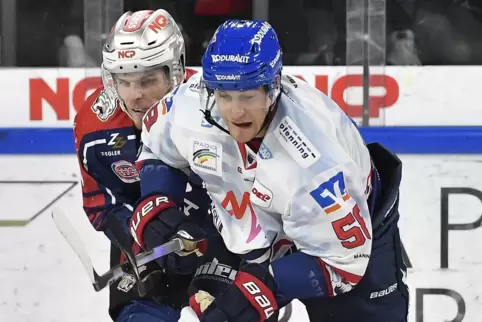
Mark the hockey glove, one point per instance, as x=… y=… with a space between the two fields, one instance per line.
x=250 y=298
x=155 y=220
x=200 y=301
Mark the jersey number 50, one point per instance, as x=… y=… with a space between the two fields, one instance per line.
x=354 y=236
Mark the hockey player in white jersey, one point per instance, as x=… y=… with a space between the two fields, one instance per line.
x=284 y=167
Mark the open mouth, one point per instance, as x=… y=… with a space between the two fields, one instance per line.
x=243 y=124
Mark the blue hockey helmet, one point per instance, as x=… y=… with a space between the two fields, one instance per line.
x=243 y=55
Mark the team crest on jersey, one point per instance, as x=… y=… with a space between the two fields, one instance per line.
x=207 y=157
x=126 y=171
x=104 y=106
x=295 y=142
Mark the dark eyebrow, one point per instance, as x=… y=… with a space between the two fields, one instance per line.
x=148 y=74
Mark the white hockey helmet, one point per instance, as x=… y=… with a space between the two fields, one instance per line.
x=143 y=40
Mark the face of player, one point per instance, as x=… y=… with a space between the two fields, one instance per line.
x=140 y=91
x=244 y=112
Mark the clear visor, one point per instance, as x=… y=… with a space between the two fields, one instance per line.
x=246 y=99
x=146 y=78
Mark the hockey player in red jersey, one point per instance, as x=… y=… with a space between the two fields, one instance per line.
x=143 y=59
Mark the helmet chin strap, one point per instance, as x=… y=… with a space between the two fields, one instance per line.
x=207 y=112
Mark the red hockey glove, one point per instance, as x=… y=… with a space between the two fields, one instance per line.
x=149 y=209
x=156 y=220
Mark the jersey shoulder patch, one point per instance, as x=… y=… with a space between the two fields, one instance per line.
x=100 y=113
x=294 y=141
x=104 y=105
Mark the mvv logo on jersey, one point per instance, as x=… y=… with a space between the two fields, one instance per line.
x=207 y=157
x=331 y=195
x=296 y=143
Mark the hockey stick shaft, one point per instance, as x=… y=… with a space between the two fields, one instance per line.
x=101 y=281
x=116 y=272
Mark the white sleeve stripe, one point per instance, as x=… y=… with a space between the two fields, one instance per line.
x=111 y=195
x=261 y=259
x=131 y=137
x=87 y=146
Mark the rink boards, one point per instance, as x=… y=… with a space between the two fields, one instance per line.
x=399 y=96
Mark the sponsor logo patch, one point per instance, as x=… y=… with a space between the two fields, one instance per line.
x=207 y=157
x=264 y=153
x=258 y=38
x=260 y=195
x=296 y=143
x=331 y=195
x=228 y=77
x=126 y=171
x=230 y=58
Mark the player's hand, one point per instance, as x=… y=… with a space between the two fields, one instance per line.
x=200 y=301
x=250 y=298
x=155 y=220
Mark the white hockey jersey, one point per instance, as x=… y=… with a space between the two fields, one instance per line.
x=308 y=183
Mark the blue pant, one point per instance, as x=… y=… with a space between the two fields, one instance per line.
x=147 y=311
